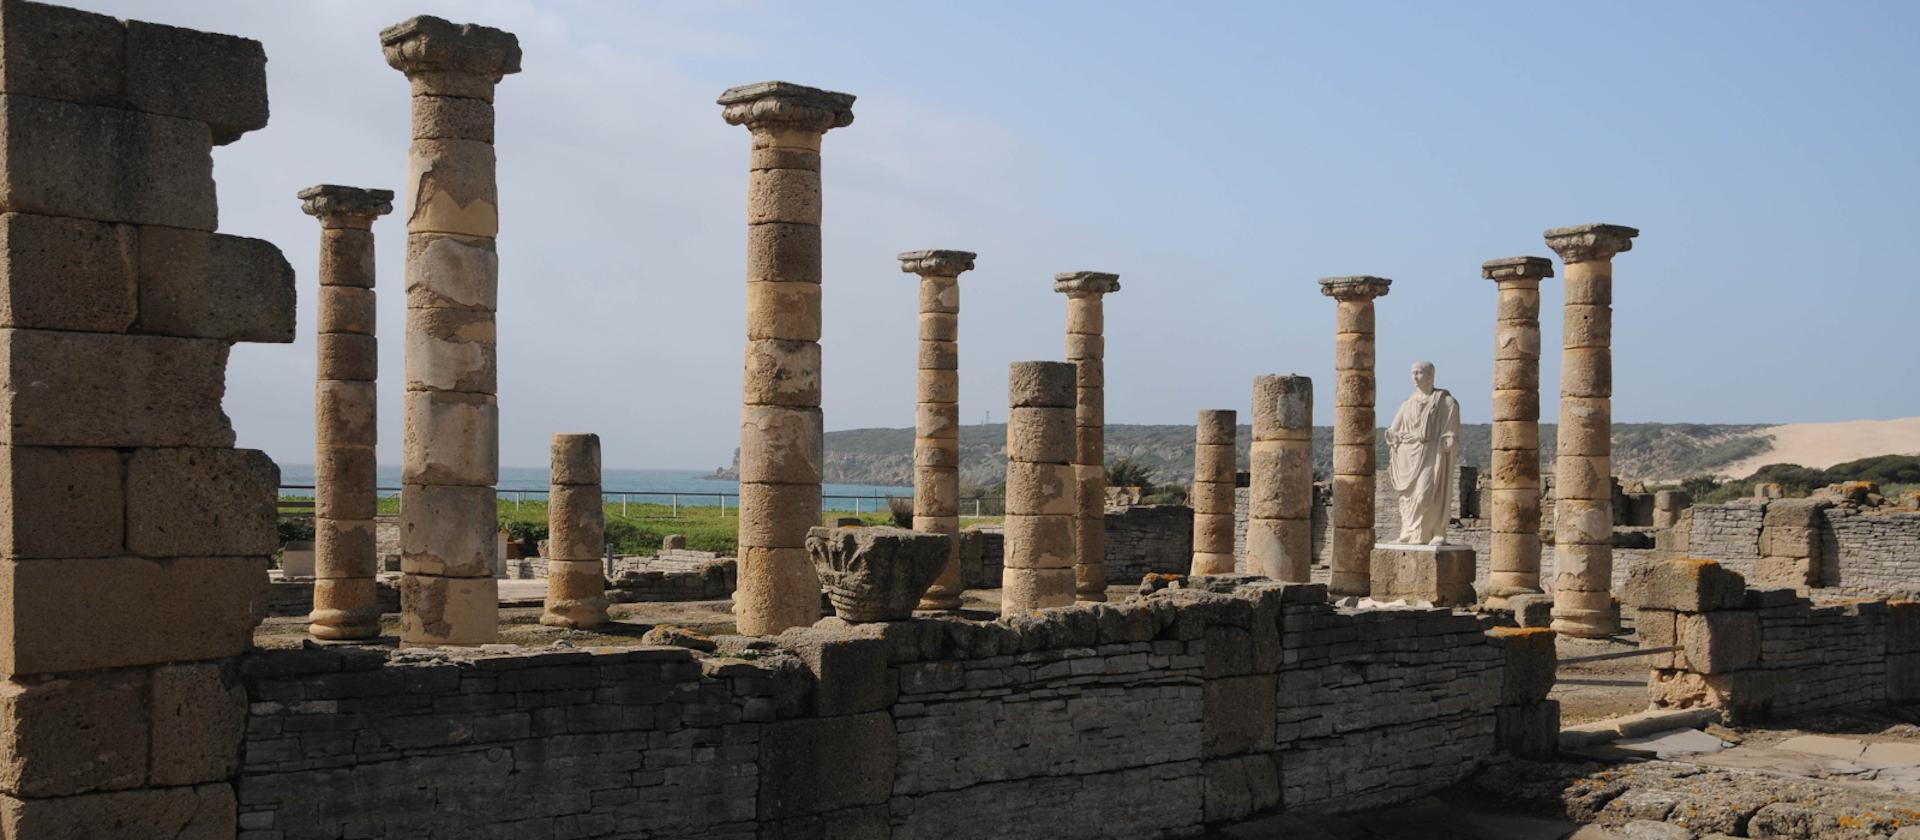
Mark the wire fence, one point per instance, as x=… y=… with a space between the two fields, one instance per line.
x=675 y=500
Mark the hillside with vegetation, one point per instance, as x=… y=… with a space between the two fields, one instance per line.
x=1651 y=451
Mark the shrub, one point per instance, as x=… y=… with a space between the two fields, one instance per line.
x=295 y=530
x=902 y=509
x=1127 y=472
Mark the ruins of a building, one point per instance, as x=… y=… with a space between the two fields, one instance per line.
x=134 y=539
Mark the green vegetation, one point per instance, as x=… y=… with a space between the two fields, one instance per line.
x=1893 y=473
x=636 y=531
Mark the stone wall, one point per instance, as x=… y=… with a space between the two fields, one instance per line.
x=1140 y=539
x=1861 y=551
x=1143 y=539
x=1150 y=718
x=134 y=537
x=1769 y=652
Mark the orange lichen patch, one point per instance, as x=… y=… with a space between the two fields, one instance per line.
x=1521 y=632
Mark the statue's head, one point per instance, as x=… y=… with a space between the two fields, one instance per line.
x=1423 y=376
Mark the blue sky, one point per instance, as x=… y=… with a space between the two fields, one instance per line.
x=1219 y=157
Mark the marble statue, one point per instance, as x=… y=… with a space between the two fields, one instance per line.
x=1424 y=444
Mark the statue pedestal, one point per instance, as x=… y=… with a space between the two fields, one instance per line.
x=1440 y=574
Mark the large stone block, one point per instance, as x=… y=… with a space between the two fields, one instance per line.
x=95 y=389
x=451 y=272
x=61 y=502
x=1441 y=575
x=66 y=274
x=778 y=515
x=199 y=714
x=451 y=188
x=1687 y=585
x=1237 y=788
x=346 y=478
x=452 y=350
x=576 y=523
x=54 y=52
x=85 y=614
x=220 y=80
x=821 y=765
x=1720 y=642
x=1240 y=714
x=196 y=284
x=782 y=373
x=73 y=734
x=1531 y=663
x=203 y=812
x=106 y=164
x=450 y=438
x=850 y=673
x=1531 y=731
x=438 y=610
x=780 y=445
x=448 y=530
x=345 y=412
x=202 y=503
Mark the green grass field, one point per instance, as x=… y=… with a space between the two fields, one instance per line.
x=635 y=529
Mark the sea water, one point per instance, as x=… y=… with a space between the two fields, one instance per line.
x=693 y=488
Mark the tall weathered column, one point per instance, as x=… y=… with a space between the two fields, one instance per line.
x=1041 y=507
x=1280 y=489
x=450 y=438
x=781 y=447
x=1353 y=430
x=1087 y=351
x=576 y=535
x=1583 y=603
x=1515 y=557
x=1213 y=484
x=345 y=497
x=936 y=417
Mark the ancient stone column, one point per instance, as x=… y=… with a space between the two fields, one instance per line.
x=576 y=535
x=1087 y=351
x=1583 y=603
x=450 y=439
x=781 y=448
x=1212 y=498
x=1515 y=557
x=936 y=418
x=1041 y=507
x=345 y=499
x=1280 y=487
x=1353 y=429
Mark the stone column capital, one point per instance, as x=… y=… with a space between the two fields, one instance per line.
x=335 y=203
x=786 y=105
x=430 y=45
x=1590 y=243
x=936 y=263
x=1075 y=283
x=1354 y=287
x=1517 y=268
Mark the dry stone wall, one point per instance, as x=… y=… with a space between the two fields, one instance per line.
x=1769 y=652
x=1860 y=552
x=1150 y=718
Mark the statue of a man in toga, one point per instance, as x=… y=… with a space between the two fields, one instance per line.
x=1424 y=442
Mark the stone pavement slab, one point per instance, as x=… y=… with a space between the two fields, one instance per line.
x=1846 y=748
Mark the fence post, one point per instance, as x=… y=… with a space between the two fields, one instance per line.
x=516 y=499
x=623 y=506
x=676 y=506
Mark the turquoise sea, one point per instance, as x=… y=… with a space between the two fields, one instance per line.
x=693 y=488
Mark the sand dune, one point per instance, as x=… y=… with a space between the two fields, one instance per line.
x=1822 y=445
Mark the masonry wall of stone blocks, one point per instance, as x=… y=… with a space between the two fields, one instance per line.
x=1193 y=706
x=133 y=537
x=1857 y=552
x=1769 y=652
